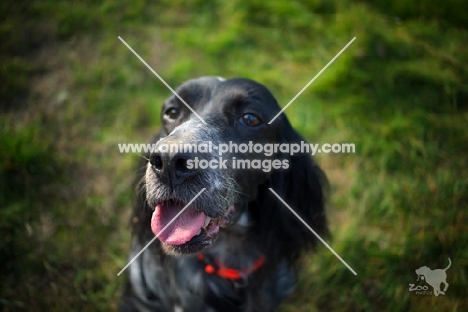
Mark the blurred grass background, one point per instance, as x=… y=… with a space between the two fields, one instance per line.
x=71 y=91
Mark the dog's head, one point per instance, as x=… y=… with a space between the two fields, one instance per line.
x=230 y=113
x=422 y=271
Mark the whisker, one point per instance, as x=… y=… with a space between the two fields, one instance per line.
x=144 y=156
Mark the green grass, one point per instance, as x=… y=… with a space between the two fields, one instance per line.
x=73 y=91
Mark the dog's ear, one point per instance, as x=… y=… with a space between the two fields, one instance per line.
x=302 y=186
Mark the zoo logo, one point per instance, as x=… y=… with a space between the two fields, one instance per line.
x=434 y=278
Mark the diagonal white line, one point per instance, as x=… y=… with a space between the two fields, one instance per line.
x=313 y=79
x=157 y=235
x=160 y=78
x=318 y=236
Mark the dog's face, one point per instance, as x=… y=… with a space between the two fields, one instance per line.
x=235 y=111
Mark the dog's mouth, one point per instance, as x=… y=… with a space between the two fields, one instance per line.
x=192 y=229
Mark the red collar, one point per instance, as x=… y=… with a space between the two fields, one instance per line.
x=229 y=273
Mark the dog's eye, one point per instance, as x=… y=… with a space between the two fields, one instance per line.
x=172 y=113
x=250 y=120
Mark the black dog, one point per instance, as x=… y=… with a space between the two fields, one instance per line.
x=236 y=245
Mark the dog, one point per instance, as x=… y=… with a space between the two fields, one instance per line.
x=236 y=247
x=434 y=278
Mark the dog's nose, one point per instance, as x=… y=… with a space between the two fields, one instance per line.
x=174 y=167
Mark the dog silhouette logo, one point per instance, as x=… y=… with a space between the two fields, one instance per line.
x=434 y=278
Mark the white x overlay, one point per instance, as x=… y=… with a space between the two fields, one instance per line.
x=284 y=108
x=313 y=79
x=315 y=233
x=159 y=233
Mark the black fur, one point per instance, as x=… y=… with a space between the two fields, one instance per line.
x=168 y=278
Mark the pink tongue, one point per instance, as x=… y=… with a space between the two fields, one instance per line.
x=182 y=229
